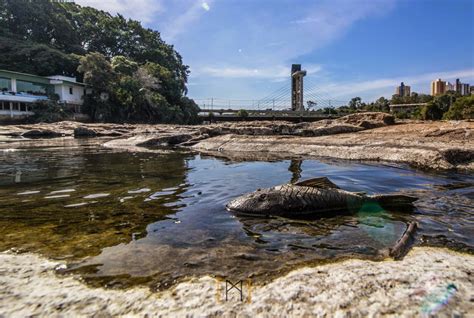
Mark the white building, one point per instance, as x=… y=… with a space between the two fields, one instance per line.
x=68 y=89
x=19 y=90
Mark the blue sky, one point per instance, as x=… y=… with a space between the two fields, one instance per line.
x=243 y=49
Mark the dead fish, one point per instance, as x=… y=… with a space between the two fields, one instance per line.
x=312 y=197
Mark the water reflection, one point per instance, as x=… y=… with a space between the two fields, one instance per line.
x=295 y=169
x=123 y=218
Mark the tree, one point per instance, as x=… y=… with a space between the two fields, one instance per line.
x=463 y=108
x=242 y=113
x=100 y=76
x=431 y=111
x=143 y=77
x=382 y=104
x=355 y=103
x=120 y=64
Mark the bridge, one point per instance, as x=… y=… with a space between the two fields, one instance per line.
x=291 y=102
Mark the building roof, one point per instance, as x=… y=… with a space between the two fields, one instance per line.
x=46 y=79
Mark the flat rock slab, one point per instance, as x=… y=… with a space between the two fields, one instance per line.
x=422 y=144
x=428 y=281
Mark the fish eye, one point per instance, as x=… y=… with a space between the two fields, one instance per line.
x=262 y=196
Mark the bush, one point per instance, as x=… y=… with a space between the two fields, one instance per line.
x=401 y=114
x=49 y=112
x=463 y=108
x=243 y=113
x=431 y=111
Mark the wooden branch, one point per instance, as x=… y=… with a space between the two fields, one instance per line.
x=401 y=247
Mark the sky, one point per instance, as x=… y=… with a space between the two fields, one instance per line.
x=243 y=49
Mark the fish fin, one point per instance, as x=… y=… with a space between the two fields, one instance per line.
x=394 y=200
x=322 y=182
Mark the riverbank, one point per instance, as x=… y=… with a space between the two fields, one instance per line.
x=427 y=281
x=367 y=136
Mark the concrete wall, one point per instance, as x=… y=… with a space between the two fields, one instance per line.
x=65 y=96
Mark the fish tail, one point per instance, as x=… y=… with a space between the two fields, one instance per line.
x=393 y=200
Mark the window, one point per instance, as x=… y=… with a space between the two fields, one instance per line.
x=23 y=107
x=5 y=84
x=71 y=90
x=33 y=88
x=16 y=106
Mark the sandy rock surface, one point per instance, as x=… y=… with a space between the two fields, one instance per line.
x=432 y=145
x=427 y=281
x=360 y=136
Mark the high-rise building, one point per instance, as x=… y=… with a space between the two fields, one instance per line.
x=450 y=87
x=403 y=90
x=465 y=89
x=462 y=88
x=472 y=90
x=438 y=87
x=458 y=86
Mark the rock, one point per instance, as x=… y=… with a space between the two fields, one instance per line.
x=166 y=140
x=418 y=285
x=84 y=132
x=368 y=120
x=404 y=143
x=41 y=133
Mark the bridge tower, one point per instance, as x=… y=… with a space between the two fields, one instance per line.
x=297 y=87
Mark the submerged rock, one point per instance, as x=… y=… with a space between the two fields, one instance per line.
x=41 y=133
x=84 y=132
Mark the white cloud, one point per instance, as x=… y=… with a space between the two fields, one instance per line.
x=205 y=6
x=182 y=22
x=141 y=10
x=275 y=72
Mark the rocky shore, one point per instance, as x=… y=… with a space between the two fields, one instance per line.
x=364 y=136
x=428 y=281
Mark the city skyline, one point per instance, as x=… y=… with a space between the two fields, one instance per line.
x=244 y=49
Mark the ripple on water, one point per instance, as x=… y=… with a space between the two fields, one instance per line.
x=60 y=196
x=96 y=195
x=76 y=205
x=142 y=190
x=29 y=192
x=62 y=191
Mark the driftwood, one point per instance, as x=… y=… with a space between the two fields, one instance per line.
x=401 y=247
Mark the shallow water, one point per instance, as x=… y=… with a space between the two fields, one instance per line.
x=122 y=218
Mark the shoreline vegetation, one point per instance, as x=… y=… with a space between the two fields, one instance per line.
x=427 y=281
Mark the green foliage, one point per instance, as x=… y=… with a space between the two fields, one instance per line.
x=356 y=103
x=135 y=93
x=97 y=71
x=401 y=114
x=431 y=111
x=143 y=77
x=463 y=108
x=34 y=58
x=242 y=113
x=414 y=98
x=121 y=64
x=48 y=112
